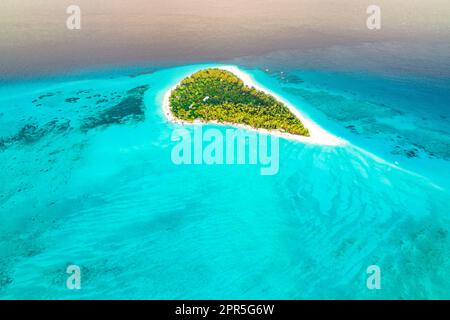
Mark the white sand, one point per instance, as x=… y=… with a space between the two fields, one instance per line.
x=318 y=135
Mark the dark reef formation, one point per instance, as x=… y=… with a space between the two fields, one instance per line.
x=32 y=132
x=83 y=117
x=130 y=108
x=372 y=120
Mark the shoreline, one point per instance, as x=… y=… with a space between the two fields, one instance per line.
x=318 y=135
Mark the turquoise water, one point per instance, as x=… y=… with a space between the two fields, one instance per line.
x=87 y=179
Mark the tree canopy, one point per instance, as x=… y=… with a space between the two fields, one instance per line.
x=215 y=94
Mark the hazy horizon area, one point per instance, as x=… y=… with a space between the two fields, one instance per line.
x=34 y=37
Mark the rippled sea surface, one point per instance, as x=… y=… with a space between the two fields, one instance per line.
x=87 y=179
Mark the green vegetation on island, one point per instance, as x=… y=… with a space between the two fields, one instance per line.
x=219 y=95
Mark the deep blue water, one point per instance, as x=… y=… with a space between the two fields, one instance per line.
x=80 y=188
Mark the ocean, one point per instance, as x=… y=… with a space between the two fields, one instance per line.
x=87 y=179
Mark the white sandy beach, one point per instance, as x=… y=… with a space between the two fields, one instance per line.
x=318 y=135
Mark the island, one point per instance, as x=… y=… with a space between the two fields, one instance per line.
x=218 y=95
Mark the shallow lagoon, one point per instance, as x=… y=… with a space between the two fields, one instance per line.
x=87 y=180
